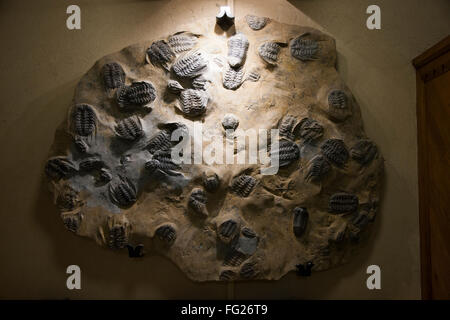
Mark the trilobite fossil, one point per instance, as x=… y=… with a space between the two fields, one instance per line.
x=162 y=161
x=193 y=102
x=105 y=175
x=269 y=51
x=310 y=130
x=160 y=54
x=227 y=230
x=286 y=126
x=253 y=76
x=337 y=99
x=255 y=22
x=343 y=202
x=160 y=142
x=81 y=144
x=85 y=120
x=234 y=258
x=60 y=167
x=174 y=86
x=232 y=79
x=113 y=75
x=199 y=83
x=303 y=48
x=335 y=152
x=138 y=94
x=317 y=169
x=211 y=182
x=287 y=152
x=129 y=128
x=247 y=232
x=182 y=41
x=166 y=233
x=91 y=163
x=190 y=65
x=118 y=232
x=243 y=185
x=230 y=122
x=68 y=199
x=72 y=220
x=248 y=270
x=237 y=50
x=123 y=193
x=301 y=218
x=227 y=275
x=197 y=201
x=364 y=151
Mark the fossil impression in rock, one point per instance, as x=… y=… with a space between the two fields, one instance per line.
x=115 y=179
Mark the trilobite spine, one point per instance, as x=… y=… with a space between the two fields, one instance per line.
x=85 y=119
x=287 y=152
x=243 y=185
x=310 y=130
x=166 y=233
x=129 y=128
x=182 y=41
x=304 y=49
x=301 y=218
x=193 y=102
x=335 y=151
x=237 y=50
x=317 y=169
x=286 y=127
x=232 y=79
x=255 y=22
x=113 y=75
x=269 y=51
x=337 y=99
x=343 y=202
x=59 y=167
x=160 y=53
x=190 y=65
x=138 y=94
x=123 y=193
x=364 y=151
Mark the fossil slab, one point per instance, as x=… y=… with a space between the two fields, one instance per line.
x=114 y=178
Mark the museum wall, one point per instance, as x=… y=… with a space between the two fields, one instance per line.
x=42 y=61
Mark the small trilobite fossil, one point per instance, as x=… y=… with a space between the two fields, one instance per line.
x=255 y=22
x=59 y=167
x=162 y=161
x=227 y=275
x=129 y=128
x=85 y=120
x=286 y=126
x=287 y=152
x=269 y=51
x=337 y=99
x=193 y=102
x=123 y=193
x=166 y=233
x=335 y=151
x=317 y=169
x=310 y=130
x=301 y=218
x=197 y=201
x=303 y=48
x=200 y=83
x=237 y=50
x=174 y=86
x=138 y=94
x=211 y=182
x=182 y=41
x=227 y=230
x=243 y=185
x=364 y=151
x=234 y=258
x=248 y=270
x=72 y=220
x=118 y=231
x=247 y=232
x=159 y=142
x=113 y=75
x=253 y=76
x=105 y=175
x=343 y=202
x=81 y=144
x=68 y=199
x=232 y=79
x=190 y=65
x=91 y=163
x=230 y=122
x=160 y=54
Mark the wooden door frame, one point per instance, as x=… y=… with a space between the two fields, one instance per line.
x=428 y=66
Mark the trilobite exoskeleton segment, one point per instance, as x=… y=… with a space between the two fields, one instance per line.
x=166 y=233
x=81 y=144
x=211 y=182
x=253 y=76
x=269 y=51
x=243 y=185
x=232 y=78
x=337 y=99
x=85 y=120
x=304 y=48
x=364 y=151
x=129 y=128
x=227 y=230
x=227 y=275
x=182 y=41
x=159 y=142
x=174 y=86
x=343 y=202
x=59 y=167
x=160 y=54
x=68 y=199
x=190 y=65
x=161 y=161
x=255 y=22
x=318 y=168
x=193 y=102
x=301 y=218
x=105 y=175
x=310 y=130
x=118 y=232
x=91 y=163
x=72 y=220
x=248 y=270
x=237 y=50
x=123 y=193
x=197 y=201
x=286 y=126
x=138 y=94
x=287 y=152
x=335 y=151
x=113 y=75
x=234 y=258
x=247 y=232
x=199 y=83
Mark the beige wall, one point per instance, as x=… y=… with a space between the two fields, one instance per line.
x=41 y=62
